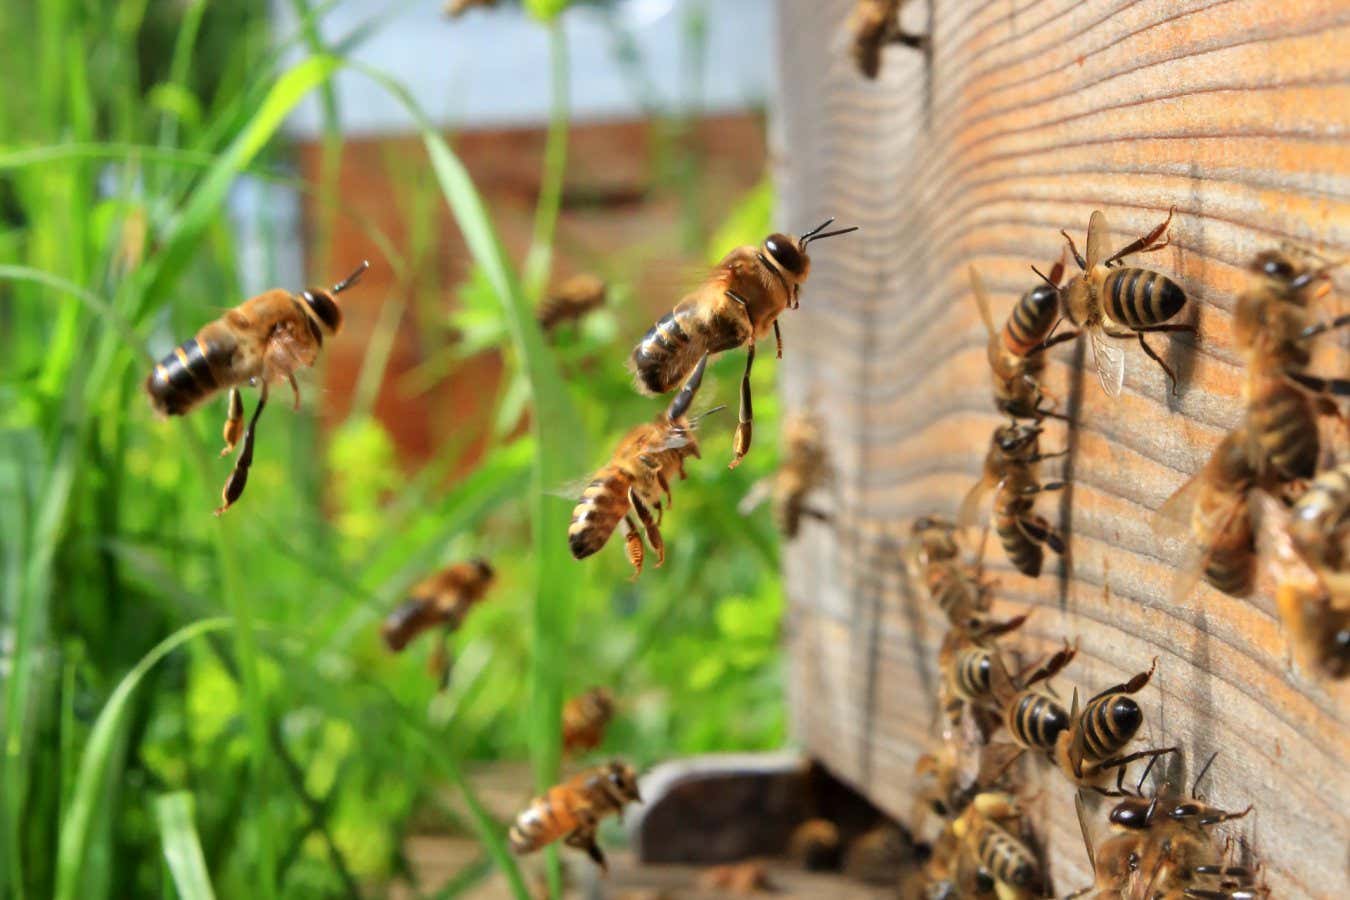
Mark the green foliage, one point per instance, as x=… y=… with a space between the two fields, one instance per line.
x=202 y=706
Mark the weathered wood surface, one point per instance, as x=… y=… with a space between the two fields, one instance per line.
x=1027 y=116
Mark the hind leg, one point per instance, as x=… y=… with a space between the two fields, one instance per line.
x=234 y=485
x=649 y=525
x=234 y=422
x=632 y=542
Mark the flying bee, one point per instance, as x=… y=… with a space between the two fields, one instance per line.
x=646 y=461
x=263 y=340
x=571 y=300
x=573 y=810
x=1212 y=507
x=872 y=25
x=1014 y=358
x=1009 y=469
x=584 y=718
x=988 y=831
x=734 y=307
x=804 y=469
x=1109 y=300
x=444 y=599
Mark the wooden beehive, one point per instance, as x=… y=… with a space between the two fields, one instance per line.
x=1023 y=118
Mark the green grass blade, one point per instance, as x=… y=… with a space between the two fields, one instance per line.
x=182 y=847
x=91 y=783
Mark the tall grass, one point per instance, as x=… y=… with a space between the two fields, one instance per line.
x=145 y=750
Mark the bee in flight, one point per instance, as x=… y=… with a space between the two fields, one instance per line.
x=1108 y=300
x=261 y=341
x=571 y=300
x=637 y=476
x=804 y=469
x=584 y=718
x=1014 y=357
x=872 y=25
x=735 y=306
x=444 y=599
x=573 y=810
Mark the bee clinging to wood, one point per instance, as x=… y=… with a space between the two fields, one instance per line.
x=1009 y=467
x=584 y=718
x=646 y=461
x=1099 y=730
x=1034 y=717
x=872 y=25
x=1014 y=359
x=573 y=810
x=965 y=661
x=803 y=470
x=736 y=306
x=571 y=300
x=263 y=340
x=991 y=830
x=1109 y=300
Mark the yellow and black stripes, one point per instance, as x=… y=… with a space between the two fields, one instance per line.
x=602 y=505
x=972 y=670
x=1036 y=721
x=1026 y=555
x=184 y=377
x=548 y=818
x=1284 y=426
x=665 y=353
x=1139 y=298
x=1006 y=858
x=1031 y=319
x=1108 y=724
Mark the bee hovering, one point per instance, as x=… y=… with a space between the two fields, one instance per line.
x=261 y=341
x=646 y=461
x=584 y=718
x=573 y=810
x=1109 y=300
x=444 y=599
x=571 y=301
x=804 y=469
x=736 y=306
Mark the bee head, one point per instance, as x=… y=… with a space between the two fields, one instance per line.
x=788 y=254
x=322 y=304
x=485 y=570
x=623 y=778
x=1274 y=264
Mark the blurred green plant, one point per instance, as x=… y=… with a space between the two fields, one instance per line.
x=281 y=750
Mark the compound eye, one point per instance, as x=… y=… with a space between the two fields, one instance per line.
x=784 y=250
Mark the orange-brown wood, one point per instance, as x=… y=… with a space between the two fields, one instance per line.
x=1026 y=117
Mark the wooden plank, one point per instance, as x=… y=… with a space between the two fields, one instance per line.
x=1027 y=116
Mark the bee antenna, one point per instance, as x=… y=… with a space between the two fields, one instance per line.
x=709 y=412
x=1044 y=278
x=808 y=238
x=1203 y=769
x=352 y=278
x=818 y=229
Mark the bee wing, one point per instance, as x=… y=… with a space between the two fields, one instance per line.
x=1083 y=827
x=570 y=490
x=1109 y=361
x=1096 y=238
x=1198 y=553
x=982 y=301
x=969 y=514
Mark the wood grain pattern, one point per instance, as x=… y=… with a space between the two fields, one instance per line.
x=1026 y=116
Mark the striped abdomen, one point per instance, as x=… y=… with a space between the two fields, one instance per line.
x=1036 y=720
x=1284 y=427
x=1025 y=554
x=1031 y=319
x=1007 y=858
x=602 y=505
x=192 y=372
x=545 y=820
x=1231 y=563
x=971 y=669
x=669 y=350
x=1109 y=723
x=1139 y=298
x=1317 y=515
x=411 y=618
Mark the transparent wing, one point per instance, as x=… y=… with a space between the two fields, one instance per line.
x=1196 y=559
x=1173 y=519
x=982 y=300
x=1109 y=360
x=968 y=516
x=1096 y=238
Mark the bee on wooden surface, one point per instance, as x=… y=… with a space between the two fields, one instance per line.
x=1014 y=359
x=877 y=855
x=584 y=718
x=933 y=540
x=571 y=300
x=1109 y=300
x=572 y=810
x=1033 y=716
x=1213 y=510
x=263 y=340
x=443 y=599
x=803 y=470
x=966 y=661
x=989 y=830
x=735 y=306
x=1098 y=732
x=872 y=25
x=646 y=461
x=1009 y=469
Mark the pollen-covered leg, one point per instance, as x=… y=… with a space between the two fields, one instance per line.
x=234 y=485
x=649 y=526
x=295 y=390
x=740 y=444
x=632 y=544
x=778 y=336
x=234 y=422
x=584 y=839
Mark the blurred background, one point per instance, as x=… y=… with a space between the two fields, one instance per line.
x=194 y=704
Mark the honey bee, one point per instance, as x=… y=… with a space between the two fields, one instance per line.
x=1212 y=507
x=261 y=341
x=642 y=467
x=573 y=810
x=1313 y=582
x=444 y=599
x=571 y=300
x=1009 y=469
x=1012 y=350
x=1109 y=300
x=815 y=844
x=873 y=24
x=1034 y=717
x=584 y=718
x=986 y=830
x=802 y=471
x=734 y=307
x=966 y=661
x=877 y=855
x=1099 y=730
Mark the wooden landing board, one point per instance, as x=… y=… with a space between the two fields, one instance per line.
x=1027 y=116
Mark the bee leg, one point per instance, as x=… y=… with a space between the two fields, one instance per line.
x=917 y=41
x=648 y=525
x=1039 y=530
x=1171 y=376
x=665 y=486
x=1133 y=686
x=295 y=389
x=234 y=421
x=740 y=444
x=234 y=485
x=1336 y=387
x=1121 y=762
x=1149 y=243
x=1052 y=341
x=1077 y=257
x=778 y=336
x=632 y=541
x=1328 y=325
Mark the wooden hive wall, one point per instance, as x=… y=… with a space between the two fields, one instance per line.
x=1026 y=117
